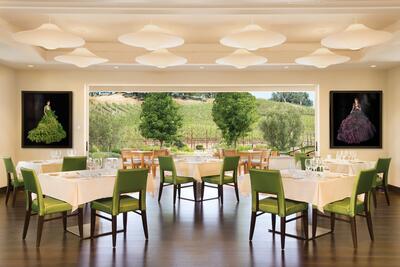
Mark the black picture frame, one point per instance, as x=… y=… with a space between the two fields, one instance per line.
x=341 y=106
x=32 y=111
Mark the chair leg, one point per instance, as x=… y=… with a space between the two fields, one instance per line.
x=92 y=222
x=144 y=221
x=353 y=230
x=80 y=222
x=64 y=218
x=153 y=169
x=369 y=223
x=305 y=224
x=283 y=232
x=8 y=193
x=179 y=191
x=252 y=225
x=114 y=230
x=221 y=193
x=39 y=230
x=125 y=221
x=273 y=220
x=386 y=195
x=195 y=190
x=314 y=222
x=26 y=223
x=160 y=191
x=14 y=196
x=237 y=192
x=175 y=189
x=202 y=191
x=333 y=222
x=374 y=197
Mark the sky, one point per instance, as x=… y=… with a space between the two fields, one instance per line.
x=268 y=95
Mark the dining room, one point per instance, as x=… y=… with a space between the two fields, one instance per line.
x=192 y=133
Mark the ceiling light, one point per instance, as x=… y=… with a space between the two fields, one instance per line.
x=161 y=58
x=241 y=59
x=151 y=37
x=49 y=36
x=356 y=36
x=80 y=57
x=322 y=58
x=201 y=67
x=253 y=37
x=373 y=66
x=116 y=67
x=30 y=66
x=286 y=67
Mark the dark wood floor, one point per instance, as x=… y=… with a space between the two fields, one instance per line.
x=199 y=235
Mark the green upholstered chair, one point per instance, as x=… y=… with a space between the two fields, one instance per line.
x=42 y=206
x=353 y=206
x=270 y=182
x=167 y=165
x=301 y=157
x=381 y=181
x=127 y=181
x=74 y=163
x=230 y=164
x=13 y=183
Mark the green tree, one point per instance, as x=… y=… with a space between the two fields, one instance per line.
x=234 y=114
x=299 y=98
x=160 y=118
x=282 y=128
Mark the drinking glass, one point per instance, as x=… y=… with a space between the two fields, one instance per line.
x=308 y=164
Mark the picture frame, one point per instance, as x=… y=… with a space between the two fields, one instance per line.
x=355 y=119
x=46 y=118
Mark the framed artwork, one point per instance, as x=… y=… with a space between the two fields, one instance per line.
x=356 y=119
x=46 y=119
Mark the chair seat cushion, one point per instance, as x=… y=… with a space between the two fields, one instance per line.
x=270 y=205
x=51 y=205
x=216 y=179
x=343 y=207
x=18 y=183
x=126 y=203
x=179 y=179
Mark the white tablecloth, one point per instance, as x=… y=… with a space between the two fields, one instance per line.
x=348 y=167
x=40 y=166
x=281 y=163
x=198 y=169
x=299 y=186
x=80 y=187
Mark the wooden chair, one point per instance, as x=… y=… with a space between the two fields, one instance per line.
x=153 y=163
x=130 y=159
x=275 y=153
x=262 y=161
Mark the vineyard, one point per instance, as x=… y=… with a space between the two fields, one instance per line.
x=114 y=121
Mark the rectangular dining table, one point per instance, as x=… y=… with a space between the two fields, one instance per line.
x=81 y=187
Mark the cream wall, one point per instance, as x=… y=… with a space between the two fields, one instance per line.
x=326 y=80
x=8 y=125
x=394 y=122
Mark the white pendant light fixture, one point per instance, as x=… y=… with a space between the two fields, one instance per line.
x=253 y=37
x=81 y=57
x=322 y=58
x=49 y=36
x=241 y=59
x=151 y=37
x=356 y=36
x=161 y=58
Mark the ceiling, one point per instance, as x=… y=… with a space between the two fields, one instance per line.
x=201 y=23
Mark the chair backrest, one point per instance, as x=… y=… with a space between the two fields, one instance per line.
x=130 y=181
x=74 y=163
x=269 y=182
x=32 y=185
x=363 y=185
x=166 y=164
x=159 y=152
x=301 y=157
x=229 y=152
x=275 y=153
x=382 y=166
x=10 y=168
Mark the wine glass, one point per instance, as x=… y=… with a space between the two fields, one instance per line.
x=308 y=164
x=90 y=164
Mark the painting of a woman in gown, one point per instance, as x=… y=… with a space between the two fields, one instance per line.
x=48 y=130
x=356 y=127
